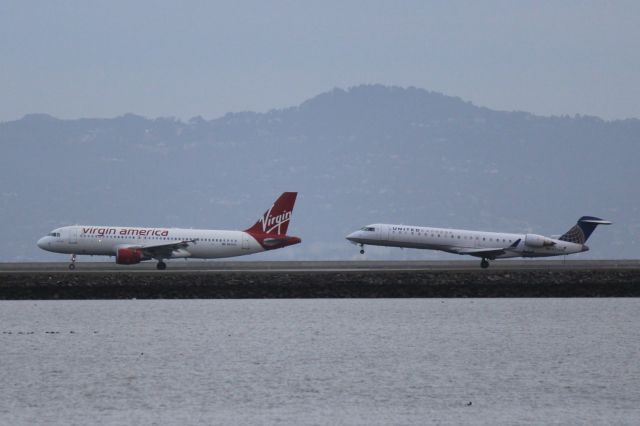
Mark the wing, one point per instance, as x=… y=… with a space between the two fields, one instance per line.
x=489 y=253
x=165 y=250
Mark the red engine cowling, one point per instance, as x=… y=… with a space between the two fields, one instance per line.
x=128 y=256
x=533 y=240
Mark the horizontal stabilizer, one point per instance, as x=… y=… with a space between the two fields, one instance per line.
x=596 y=221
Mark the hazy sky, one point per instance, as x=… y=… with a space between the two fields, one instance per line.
x=157 y=58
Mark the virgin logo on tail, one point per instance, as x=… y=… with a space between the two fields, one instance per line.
x=269 y=223
x=275 y=220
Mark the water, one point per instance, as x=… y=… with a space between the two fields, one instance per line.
x=352 y=361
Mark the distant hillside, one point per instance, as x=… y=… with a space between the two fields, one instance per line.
x=367 y=154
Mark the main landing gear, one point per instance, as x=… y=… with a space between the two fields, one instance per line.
x=484 y=264
x=72 y=265
x=161 y=265
x=361 y=248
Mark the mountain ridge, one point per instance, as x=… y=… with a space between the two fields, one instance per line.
x=335 y=92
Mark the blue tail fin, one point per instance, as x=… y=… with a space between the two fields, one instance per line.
x=582 y=230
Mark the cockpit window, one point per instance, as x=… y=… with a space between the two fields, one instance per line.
x=368 y=228
x=54 y=234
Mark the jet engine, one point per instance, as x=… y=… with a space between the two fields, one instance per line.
x=128 y=256
x=537 y=241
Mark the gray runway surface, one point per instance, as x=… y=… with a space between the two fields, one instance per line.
x=320 y=266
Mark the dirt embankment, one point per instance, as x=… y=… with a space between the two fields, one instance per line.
x=365 y=284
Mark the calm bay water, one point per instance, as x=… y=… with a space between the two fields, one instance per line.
x=352 y=361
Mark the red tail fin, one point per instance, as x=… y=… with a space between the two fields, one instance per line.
x=275 y=221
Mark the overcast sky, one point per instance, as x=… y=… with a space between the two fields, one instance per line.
x=156 y=58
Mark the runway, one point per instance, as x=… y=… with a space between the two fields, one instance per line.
x=181 y=266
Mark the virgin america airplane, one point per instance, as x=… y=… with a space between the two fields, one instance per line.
x=485 y=245
x=132 y=245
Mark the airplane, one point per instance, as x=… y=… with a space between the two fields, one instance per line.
x=131 y=245
x=485 y=245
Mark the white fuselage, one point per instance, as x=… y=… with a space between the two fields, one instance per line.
x=106 y=240
x=460 y=241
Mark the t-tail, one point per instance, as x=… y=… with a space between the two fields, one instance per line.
x=582 y=230
x=271 y=229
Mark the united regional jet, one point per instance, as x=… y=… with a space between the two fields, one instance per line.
x=485 y=245
x=132 y=245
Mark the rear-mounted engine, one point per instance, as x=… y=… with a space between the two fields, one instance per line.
x=534 y=240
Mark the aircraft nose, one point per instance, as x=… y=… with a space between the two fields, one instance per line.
x=352 y=236
x=42 y=242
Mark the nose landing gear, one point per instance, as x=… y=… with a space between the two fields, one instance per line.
x=361 y=248
x=72 y=265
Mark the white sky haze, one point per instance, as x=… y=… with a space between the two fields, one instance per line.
x=77 y=59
